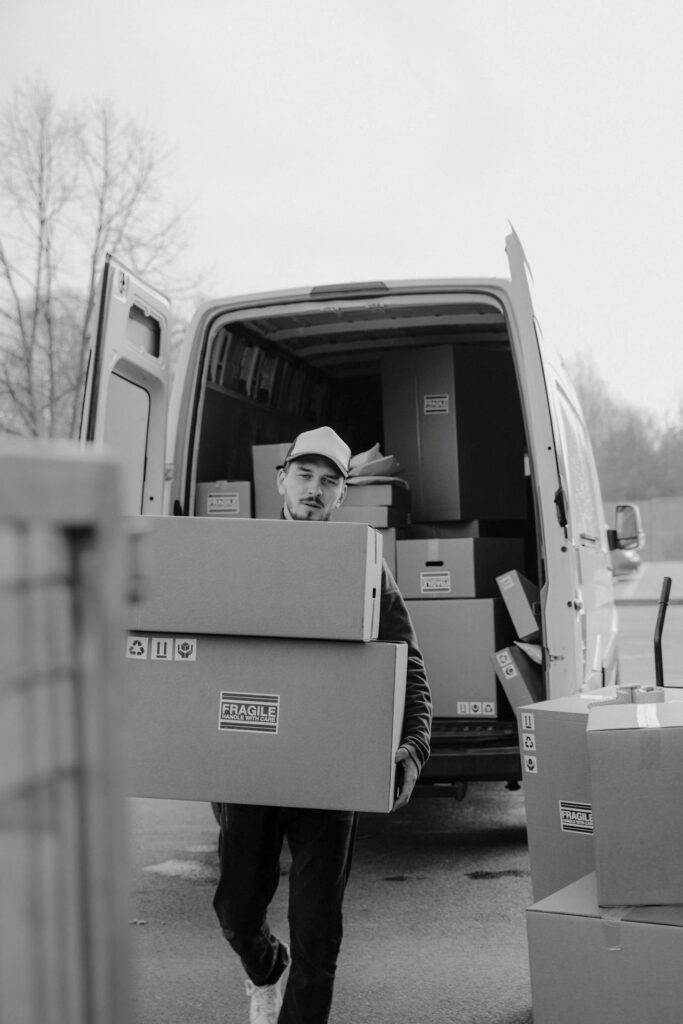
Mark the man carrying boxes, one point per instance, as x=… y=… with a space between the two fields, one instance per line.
x=312 y=483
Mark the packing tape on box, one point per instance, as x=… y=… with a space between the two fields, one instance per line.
x=647 y=718
x=611 y=927
x=648 y=695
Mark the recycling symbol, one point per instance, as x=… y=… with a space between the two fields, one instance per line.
x=529 y=743
x=137 y=649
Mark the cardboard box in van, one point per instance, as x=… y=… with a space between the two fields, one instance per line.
x=377 y=494
x=259 y=577
x=379 y=516
x=457 y=639
x=224 y=498
x=458 y=567
x=597 y=970
x=522 y=599
x=263 y=721
x=437 y=405
x=265 y=460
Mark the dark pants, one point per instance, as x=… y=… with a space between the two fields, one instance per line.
x=321 y=844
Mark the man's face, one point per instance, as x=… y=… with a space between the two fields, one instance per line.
x=312 y=488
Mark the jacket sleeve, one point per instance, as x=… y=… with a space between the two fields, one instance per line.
x=395 y=627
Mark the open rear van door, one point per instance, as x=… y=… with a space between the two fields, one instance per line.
x=561 y=590
x=574 y=545
x=126 y=394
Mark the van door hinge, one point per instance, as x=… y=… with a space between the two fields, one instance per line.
x=561 y=507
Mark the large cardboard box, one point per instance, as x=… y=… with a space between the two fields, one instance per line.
x=265 y=460
x=258 y=577
x=442 y=407
x=458 y=567
x=557 y=789
x=594 y=968
x=224 y=498
x=636 y=766
x=457 y=639
x=521 y=598
x=378 y=516
x=377 y=494
x=293 y=723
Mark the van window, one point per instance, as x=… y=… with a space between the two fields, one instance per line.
x=585 y=512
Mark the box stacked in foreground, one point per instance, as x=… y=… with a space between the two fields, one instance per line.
x=604 y=790
x=250 y=675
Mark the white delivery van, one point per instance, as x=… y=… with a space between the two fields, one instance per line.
x=453 y=378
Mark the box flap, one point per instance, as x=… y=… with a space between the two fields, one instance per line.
x=579 y=703
x=665 y=715
x=580 y=899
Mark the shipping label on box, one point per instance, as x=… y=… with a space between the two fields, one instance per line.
x=259 y=577
x=636 y=765
x=457 y=639
x=603 y=969
x=264 y=721
x=454 y=567
x=224 y=498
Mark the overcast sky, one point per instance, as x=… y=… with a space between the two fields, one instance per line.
x=331 y=140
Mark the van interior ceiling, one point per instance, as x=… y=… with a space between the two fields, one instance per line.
x=268 y=377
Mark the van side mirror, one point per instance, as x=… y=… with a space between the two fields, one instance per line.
x=628 y=528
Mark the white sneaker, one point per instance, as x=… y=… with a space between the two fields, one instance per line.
x=266 y=1001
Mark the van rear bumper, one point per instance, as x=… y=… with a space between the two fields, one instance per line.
x=473 y=753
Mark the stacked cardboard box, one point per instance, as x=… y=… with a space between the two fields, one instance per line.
x=379 y=504
x=449 y=584
x=602 y=791
x=250 y=678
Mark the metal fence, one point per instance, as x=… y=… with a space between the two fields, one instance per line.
x=63 y=878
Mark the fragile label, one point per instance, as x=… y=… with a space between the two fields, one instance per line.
x=530 y=764
x=222 y=503
x=576 y=817
x=249 y=712
x=435 y=404
x=435 y=582
x=506 y=582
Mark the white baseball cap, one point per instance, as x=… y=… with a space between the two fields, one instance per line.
x=322 y=441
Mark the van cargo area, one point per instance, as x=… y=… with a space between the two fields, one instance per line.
x=431 y=378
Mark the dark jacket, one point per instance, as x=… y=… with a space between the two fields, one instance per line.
x=395 y=627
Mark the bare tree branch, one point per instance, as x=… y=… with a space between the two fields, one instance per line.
x=74 y=184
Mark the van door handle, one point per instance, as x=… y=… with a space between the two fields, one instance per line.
x=561 y=507
x=578 y=604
